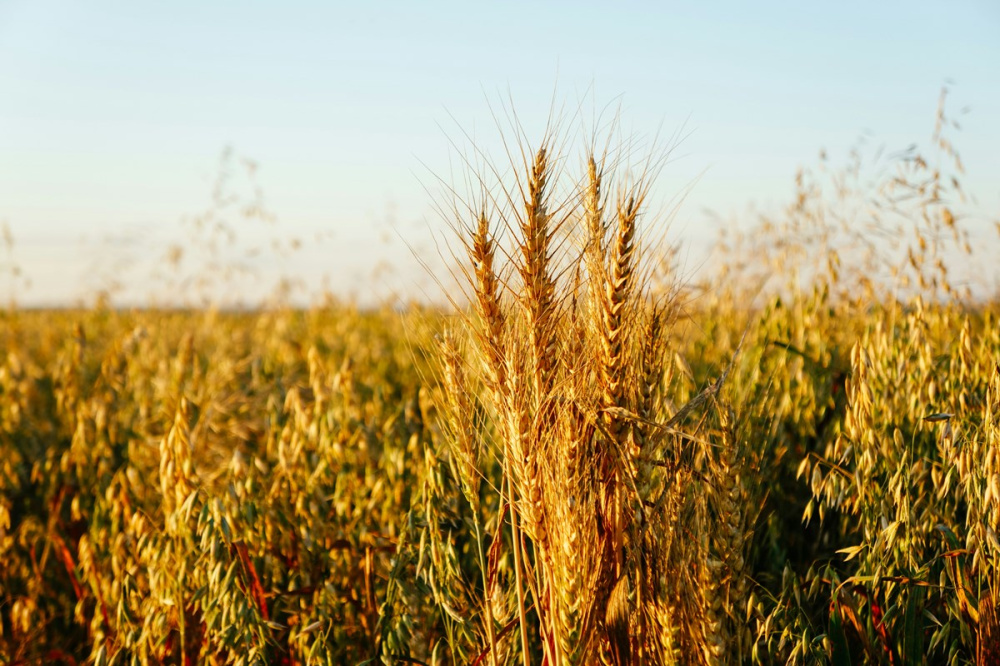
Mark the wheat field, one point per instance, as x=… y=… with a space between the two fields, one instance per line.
x=586 y=460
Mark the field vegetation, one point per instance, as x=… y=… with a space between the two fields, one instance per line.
x=585 y=460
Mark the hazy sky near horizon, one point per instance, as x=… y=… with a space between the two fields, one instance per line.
x=113 y=115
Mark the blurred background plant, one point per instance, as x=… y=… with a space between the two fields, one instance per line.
x=11 y=270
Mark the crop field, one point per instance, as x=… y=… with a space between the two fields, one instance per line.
x=585 y=460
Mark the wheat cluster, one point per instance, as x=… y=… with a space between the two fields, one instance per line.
x=597 y=490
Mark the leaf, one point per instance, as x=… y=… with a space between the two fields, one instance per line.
x=851 y=552
x=950 y=536
x=913 y=629
x=841 y=653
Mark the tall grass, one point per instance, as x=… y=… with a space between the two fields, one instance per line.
x=579 y=464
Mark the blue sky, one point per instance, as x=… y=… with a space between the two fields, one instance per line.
x=113 y=114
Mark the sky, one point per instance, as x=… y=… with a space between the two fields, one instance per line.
x=116 y=119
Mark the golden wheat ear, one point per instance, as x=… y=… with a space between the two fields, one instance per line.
x=487 y=302
x=536 y=270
